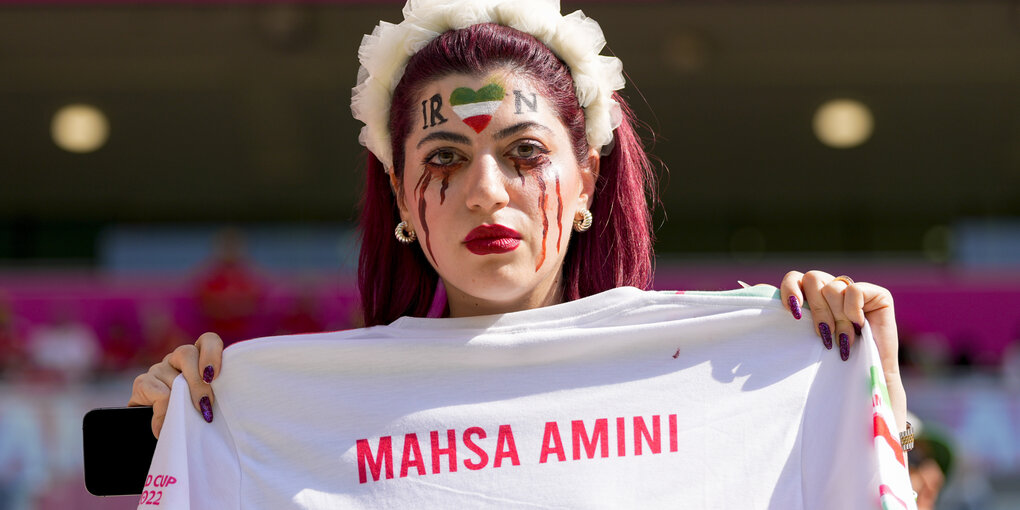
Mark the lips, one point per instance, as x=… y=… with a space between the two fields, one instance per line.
x=487 y=239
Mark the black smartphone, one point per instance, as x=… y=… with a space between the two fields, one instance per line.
x=118 y=444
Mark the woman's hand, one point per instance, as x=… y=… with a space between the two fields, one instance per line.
x=839 y=306
x=153 y=387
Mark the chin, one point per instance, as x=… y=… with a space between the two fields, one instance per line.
x=494 y=287
x=497 y=290
x=501 y=278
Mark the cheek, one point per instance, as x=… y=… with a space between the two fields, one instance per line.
x=442 y=175
x=543 y=207
x=426 y=200
x=559 y=214
x=420 y=203
x=564 y=187
x=546 y=196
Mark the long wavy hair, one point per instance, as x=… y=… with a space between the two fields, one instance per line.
x=397 y=280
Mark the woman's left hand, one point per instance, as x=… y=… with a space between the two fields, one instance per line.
x=839 y=306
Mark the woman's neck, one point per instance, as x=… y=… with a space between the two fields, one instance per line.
x=464 y=305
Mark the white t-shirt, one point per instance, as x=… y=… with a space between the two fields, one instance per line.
x=628 y=398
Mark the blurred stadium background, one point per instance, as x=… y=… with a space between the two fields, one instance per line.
x=171 y=167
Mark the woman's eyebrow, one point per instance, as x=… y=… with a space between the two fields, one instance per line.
x=521 y=126
x=445 y=136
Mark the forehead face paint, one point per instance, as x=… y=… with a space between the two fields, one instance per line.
x=525 y=102
x=475 y=107
x=430 y=112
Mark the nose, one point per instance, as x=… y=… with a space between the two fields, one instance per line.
x=487 y=189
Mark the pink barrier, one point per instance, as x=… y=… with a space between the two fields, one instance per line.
x=976 y=313
x=105 y=303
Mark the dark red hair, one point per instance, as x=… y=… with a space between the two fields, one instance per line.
x=397 y=280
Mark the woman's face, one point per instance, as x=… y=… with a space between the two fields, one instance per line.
x=491 y=186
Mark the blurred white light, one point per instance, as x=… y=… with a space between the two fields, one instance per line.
x=79 y=128
x=686 y=52
x=843 y=123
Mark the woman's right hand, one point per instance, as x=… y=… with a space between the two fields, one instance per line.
x=153 y=387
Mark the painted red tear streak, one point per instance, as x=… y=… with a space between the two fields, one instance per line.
x=559 y=215
x=542 y=199
x=517 y=166
x=420 y=188
x=442 y=190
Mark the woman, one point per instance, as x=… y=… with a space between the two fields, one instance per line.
x=504 y=152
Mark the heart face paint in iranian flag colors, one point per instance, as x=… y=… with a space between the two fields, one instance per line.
x=475 y=107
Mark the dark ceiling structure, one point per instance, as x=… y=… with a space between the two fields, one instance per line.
x=240 y=113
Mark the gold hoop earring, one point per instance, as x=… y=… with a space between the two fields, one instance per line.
x=404 y=235
x=583 y=224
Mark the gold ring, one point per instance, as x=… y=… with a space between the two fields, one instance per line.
x=845 y=279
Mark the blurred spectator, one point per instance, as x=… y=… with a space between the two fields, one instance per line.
x=301 y=317
x=925 y=354
x=120 y=345
x=1011 y=366
x=66 y=349
x=22 y=456
x=12 y=345
x=969 y=488
x=162 y=335
x=931 y=463
x=229 y=291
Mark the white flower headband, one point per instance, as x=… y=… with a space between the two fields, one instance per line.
x=574 y=38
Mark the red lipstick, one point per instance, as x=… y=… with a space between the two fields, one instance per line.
x=486 y=239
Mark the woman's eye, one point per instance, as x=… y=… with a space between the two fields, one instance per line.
x=443 y=158
x=527 y=151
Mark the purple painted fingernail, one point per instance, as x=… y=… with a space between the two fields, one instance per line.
x=844 y=346
x=207 y=374
x=206 y=407
x=823 y=328
x=857 y=329
x=795 y=307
